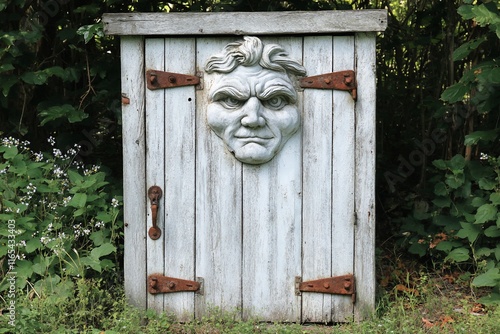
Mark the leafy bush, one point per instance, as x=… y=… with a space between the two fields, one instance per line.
x=63 y=219
x=458 y=219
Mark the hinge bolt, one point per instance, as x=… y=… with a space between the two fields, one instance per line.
x=326 y=286
x=347 y=79
x=171 y=285
x=172 y=79
x=152 y=78
x=328 y=81
x=153 y=283
x=347 y=284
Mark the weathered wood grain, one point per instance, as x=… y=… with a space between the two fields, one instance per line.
x=134 y=185
x=245 y=23
x=179 y=167
x=155 y=147
x=218 y=205
x=343 y=177
x=271 y=227
x=316 y=177
x=364 y=260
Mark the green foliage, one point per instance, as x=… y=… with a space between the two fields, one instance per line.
x=63 y=219
x=455 y=216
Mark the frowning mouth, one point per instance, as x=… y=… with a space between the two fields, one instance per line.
x=254 y=139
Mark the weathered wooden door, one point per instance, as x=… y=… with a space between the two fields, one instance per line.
x=250 y=233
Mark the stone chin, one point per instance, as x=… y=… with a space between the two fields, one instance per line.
x=254 y=154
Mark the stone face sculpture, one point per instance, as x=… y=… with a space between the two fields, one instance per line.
x=253 y=101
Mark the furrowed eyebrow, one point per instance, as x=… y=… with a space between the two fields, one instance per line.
x=279 y=88
x=229 y=91
x=232 y=88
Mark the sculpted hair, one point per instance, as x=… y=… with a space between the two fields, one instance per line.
x=250 y=52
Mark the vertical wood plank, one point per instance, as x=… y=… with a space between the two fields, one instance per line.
x=218 y=204
x=271 y=226
x=134 y=187
x=343 y=178
x=155 y=146
x=317 y=185
x=180 y=57
x=365 y=176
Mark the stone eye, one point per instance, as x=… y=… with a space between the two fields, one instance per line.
x=275 y=102
x=230 y=102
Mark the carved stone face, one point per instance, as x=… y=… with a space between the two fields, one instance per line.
x=254 y=111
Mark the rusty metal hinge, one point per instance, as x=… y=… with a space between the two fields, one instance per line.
x=163 y=284
x=342 y=80
x=338 y=285
x=160 y=80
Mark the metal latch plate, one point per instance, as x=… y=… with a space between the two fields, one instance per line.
x=161 y=80
x=338 y=285
x=163 y=284
x=342 y=80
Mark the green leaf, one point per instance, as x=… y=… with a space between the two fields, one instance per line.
x=493 y=298
x=79 y=212
x=484 y=16
x=465 y=49
x=486 y=136
x=10 y=152
x=78 y=201
x=442 y=202
x=489 y=278
x=66 y=111
x=102 y=250
x=24 y=269
x=469 y=231
x=495 y=198
x=455 y=93
x=440 y=164
x=497 y=252
x=444 y=246
x=492 y=232
x=32 y=245
x=457 y=163
x=419 y=249
x=6 y=67
x=35 y=78
x=466 y=12
x=487 y=184
x=458 y=255
x=91 y=30
x=454 y=181
x=74 y=176
x=6 y=84
x=440 y=189
x=92 y=262
x=478 y=201
x=485 y=213
x=483 y=252
x=97 y=237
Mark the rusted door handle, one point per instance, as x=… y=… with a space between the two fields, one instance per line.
x=154 y=194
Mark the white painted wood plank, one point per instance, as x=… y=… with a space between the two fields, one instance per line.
x=132 y=69
x=245 y=23
x=271 y=227
x=317 y=185
x=365 y=177
x=155 y=146
x=179 y=162
x=218 y=204
x=343 y=178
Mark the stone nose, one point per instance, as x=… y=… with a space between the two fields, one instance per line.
x=252 y=113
